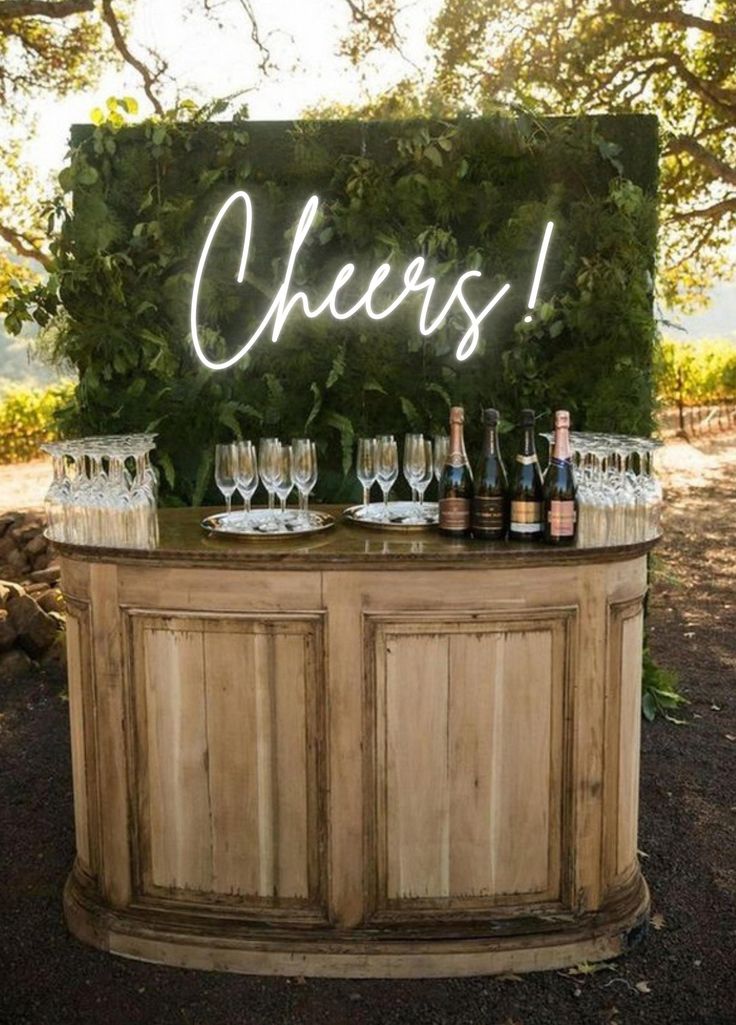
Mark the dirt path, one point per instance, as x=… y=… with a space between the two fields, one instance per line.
x=684 y=974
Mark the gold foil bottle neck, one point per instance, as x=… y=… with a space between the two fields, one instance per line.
x=562 y=418
x=457 y=415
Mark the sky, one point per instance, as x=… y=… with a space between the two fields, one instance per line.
x=208 y=60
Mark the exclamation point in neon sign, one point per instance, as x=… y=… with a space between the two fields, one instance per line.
x=540 y=267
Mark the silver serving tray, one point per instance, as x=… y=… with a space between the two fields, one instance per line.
x=258 y=525
x=401 y=516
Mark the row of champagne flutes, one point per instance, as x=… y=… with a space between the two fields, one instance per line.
x=280 y=468
x=619 y=495
x=377 y=460
x=104 y=490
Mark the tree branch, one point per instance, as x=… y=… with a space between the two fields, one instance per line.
x=723 y=29
x=149 y=79
x=713 y=212
x=24 y=247
x=717 y=167
x=44 y=9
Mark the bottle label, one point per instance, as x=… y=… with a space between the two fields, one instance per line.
x=561 y=517
x=455 y=459
x=525 y=460
x=526 y=517
x=488 y=512
x=455 y=513
x=560 y=462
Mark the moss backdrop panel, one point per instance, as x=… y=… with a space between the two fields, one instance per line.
x=469 y=195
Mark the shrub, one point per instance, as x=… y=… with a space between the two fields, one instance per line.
x=27 y=419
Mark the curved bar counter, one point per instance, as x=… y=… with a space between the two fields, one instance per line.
x=367 y=755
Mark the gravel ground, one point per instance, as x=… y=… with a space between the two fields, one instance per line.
x=684 y=974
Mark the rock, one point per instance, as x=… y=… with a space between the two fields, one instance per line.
x=43 y=560
x=17 y=561
x=35 y=628
x=8 y=633
x=13 y=663
x=51 y=601
x=26 y=532
x=8 y=590
x=49 y=575
x=57 y=651
x=36 y=589
x=8 y=520
x=36 y=545
x=7 y=545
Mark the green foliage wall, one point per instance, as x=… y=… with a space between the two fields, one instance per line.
x=471 y=194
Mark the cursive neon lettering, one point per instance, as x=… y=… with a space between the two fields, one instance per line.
x=415 y=281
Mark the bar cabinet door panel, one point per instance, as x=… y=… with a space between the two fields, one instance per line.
x=623 y=724
x=82 y=728
x=467 y=764
x=226 y=762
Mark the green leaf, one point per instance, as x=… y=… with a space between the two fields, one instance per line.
x=226 y=416
x=167 y=466
x=649 y=707
x=347 y=434
x=433 y=155
x=203 y=477
x=410 y=412
x=338 y=367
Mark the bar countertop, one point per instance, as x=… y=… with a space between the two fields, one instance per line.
x=182 y=540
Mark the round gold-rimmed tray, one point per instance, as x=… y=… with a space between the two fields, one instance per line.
x=265 y=525
x=402 y=516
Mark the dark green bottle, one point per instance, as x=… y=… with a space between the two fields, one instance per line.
x=526 y=522
x=456 y=482
x=490 y=504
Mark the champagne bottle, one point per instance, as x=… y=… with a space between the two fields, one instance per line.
x=456 y=482
x=490 y=504
x=560 y=503
x=527 y=489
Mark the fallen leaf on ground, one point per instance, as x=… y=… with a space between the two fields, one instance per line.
x=643 y=986
x=730 y=736
x=657 y=921
x=509 y=977
x=586 y=968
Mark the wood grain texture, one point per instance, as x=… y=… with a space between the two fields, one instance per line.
x=226 y=757
x=467 y=781
x=338 y=768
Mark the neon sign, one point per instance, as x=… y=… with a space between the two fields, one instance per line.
x=414 y=280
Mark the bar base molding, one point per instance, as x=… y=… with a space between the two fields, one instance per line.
x=615 y=929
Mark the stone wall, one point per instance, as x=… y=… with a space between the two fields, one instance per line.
x=31 y=605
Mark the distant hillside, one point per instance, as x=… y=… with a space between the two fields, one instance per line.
x=17 y=366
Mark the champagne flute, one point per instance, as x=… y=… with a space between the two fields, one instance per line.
x=388 y=466
x=267 y=470
x=441 y=448
x=366 y=467
x=225 y=464
x=283 y=480
x=412 y=443
x=425 y=472
x=304 y=472
x=246 y=474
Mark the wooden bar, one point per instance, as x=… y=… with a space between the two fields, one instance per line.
x=358 y=754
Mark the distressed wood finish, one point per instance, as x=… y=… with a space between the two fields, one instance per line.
x=345 y=770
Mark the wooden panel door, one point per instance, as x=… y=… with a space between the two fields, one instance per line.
x=623 y=728
x=465 y=794
x=227 y=780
